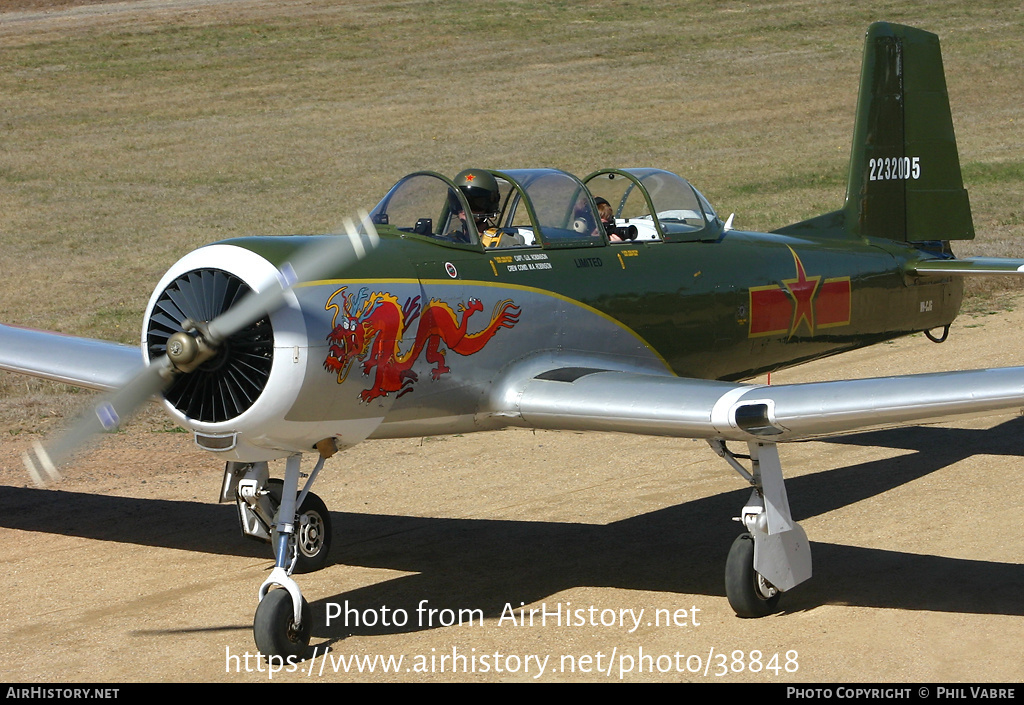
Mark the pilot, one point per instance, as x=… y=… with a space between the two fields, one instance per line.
x=481 y=191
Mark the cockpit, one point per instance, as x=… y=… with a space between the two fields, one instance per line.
x=548 y=208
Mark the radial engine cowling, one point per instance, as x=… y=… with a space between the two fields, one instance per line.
x=236 y=403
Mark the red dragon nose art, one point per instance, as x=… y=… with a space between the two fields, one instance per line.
x=373 y=325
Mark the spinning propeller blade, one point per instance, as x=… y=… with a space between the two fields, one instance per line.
x=313 y=262
x=42 y=462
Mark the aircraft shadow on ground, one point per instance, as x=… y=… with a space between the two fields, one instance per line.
x=484 y=564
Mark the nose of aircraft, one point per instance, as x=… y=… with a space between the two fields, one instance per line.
x=222 y=300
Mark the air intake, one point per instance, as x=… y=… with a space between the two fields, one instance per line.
x=229 y=383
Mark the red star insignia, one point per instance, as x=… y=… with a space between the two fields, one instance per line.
x=802 y=290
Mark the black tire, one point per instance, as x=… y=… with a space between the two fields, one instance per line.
x=749 y=595
x=313 y=537
x=274 y=627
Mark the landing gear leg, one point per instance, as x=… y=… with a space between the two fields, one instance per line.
x=298 y=526
x=773 y=555
x=282 y=623
x=258 y=499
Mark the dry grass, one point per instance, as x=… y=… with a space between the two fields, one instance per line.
x=134 y=132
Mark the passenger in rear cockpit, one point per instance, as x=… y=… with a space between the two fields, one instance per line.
x=604 y=209
x=616 y=232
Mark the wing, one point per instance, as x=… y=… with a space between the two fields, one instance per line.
x=587 y=398
x=83 y=362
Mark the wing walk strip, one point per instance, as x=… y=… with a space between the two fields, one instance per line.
x=676 y=406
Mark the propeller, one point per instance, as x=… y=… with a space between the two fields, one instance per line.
x=198 y=342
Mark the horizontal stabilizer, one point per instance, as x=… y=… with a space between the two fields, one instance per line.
x=972 y=266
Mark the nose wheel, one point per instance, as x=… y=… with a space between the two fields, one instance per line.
x=275 y=629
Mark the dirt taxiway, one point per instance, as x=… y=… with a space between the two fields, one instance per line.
x=130 y=571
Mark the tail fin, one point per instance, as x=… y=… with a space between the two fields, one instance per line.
x=904 y=182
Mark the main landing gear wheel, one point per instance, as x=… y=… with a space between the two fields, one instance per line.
x=312 y=530
x=274 y=626
x=750 y=595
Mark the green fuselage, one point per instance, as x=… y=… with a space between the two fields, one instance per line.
x=729 y=309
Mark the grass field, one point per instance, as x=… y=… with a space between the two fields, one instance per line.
x=136 y=132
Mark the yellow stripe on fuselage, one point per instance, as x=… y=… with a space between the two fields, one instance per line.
x=493 y=285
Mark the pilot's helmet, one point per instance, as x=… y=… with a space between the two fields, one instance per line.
x=481 y=190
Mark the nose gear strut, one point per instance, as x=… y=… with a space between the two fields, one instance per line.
x=298 y=526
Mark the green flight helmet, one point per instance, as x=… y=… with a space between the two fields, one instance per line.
x=481 y=191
